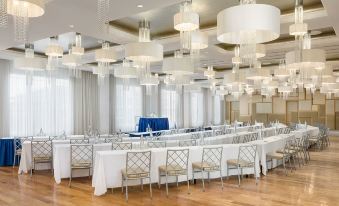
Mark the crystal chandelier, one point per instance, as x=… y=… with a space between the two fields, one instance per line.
x=30 y=62
x=73 y=59
x=262 y=24
x=104 y=56
x=178 y=65
x=54 y=51
x=21 y=10
x=187 y=21
x=142 y=53
x=126 y=70
x=103 y=13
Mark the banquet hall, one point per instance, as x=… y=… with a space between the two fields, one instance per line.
x=169 y=102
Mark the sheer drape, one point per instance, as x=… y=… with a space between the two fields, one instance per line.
x=197 y=109
x=4 y=98
x=128 y=104
x=216 y=109
x=40 y=100
x=169 y=104
x=86 y=103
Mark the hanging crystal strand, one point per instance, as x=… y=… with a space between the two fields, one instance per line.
x=3 y=13
x=144 y=31
x=21 y=25
x=242 y=2
x=103 y=14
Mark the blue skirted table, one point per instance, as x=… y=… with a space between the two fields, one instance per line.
x=156 y=124
x=7 y=151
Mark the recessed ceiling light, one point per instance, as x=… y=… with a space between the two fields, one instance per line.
x=71 y=26
x=140 y=5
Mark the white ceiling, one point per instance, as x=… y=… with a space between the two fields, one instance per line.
x=60 y=14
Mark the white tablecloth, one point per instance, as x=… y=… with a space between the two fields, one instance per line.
x=62 y=158
x=26 y=159
x=108 y=166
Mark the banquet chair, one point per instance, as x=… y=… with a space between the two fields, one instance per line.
x=292 y=151
x=17 y=143
x=156 y=144
x=176 y=165
x=138 y=167
x=246 y=159
x=210 y=162
x=196 y=136
x=316 y=141
x=41 y=152
x=236 y=139
x=121 y=145
x=79 y=141
x=112 y=139
x=81 y=158
x=285 y=156
x=187 y=143
x=218 y=132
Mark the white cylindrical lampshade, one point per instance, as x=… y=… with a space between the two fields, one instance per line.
x=144 y=51
x=329 y=80
x=235 y=22
x=186 y=21
x=178 y=66
x=258 y=74
x=199 y=40
x=70 y=60
x=309 y=58
x=149 y=80
x=298 y=29
x=33 y=8
x=30 y=64
x=125 y=72
x=78 y=50
x=54 y=51
x=106 y=55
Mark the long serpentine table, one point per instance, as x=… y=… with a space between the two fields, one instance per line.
x=108 y=166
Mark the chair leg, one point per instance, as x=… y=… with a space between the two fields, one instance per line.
x=222 y=182
x=150 y=188
x=70 y=179
x=227 y=173
x=239 y=176
x=142 y=184
x=188 y=185
x=208 y=175
x=122 y=184
x=193 y=176
x=126 y=190
x=14 y=160
x=176 y=179
x=203 y=181
x=166 y=185
x=159 y=180
x=283 y=161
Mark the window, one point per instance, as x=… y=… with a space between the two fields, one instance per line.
x=169 y=100
x=197 y=110
x=40 y=101
x=128 y=105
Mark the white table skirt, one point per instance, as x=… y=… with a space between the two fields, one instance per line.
x=62 y=159
x=108 y=166
x=26 y=159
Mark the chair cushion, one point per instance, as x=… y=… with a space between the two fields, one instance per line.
x=206 y=166
x=173 y=169
x=242 y=163
x=42 y=158
x=274 y=155
x=135 y=173
x=82 y=164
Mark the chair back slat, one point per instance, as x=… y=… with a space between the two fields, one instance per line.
x=121 y=145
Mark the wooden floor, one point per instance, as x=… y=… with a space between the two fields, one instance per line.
x=314 y=184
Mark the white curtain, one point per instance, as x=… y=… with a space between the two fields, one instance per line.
x=4 y=98
x=197 y=109
x=216 y=109
x=86 y=103
x=40 y=100
x=128 y=104
x=169 y=104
